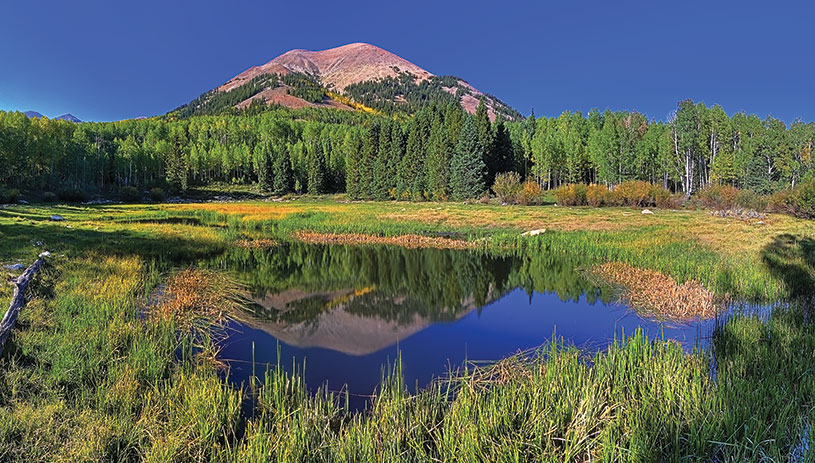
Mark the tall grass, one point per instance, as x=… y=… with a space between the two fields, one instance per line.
x=86 y=379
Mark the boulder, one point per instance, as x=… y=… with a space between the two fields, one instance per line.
x=647 y=211
x=57 y=218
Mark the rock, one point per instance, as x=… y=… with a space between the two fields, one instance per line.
x=22 y=201
x=57 y=218
x=534 y=232
x=14 y=267
x=45 y=254
x=760 y=222
x=647 y=211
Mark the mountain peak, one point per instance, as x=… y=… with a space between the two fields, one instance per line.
x=351 y=74
x=69 y=117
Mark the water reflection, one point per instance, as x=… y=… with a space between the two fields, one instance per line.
x=348 y=310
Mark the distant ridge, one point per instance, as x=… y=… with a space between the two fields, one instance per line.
x=65 y=117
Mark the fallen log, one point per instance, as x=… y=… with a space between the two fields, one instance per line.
x=18 y=299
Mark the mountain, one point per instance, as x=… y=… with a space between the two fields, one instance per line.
x=69 y=117
x=65 y=117
x=353 y=76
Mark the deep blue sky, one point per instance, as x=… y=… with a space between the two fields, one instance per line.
x=110 y=60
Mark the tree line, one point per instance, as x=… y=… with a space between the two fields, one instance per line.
x=697 y=146
x=440 y=152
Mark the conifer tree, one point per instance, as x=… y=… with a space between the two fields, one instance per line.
x=353 y=184
x=467 y=167
x=370 y=150
x=263 y=166
x=437 y=162
x=382 y=181
x=502 y=158
x=316 y=171
x=412 y=163
x=282 y=172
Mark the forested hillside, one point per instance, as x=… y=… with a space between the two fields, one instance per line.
x=441 y=152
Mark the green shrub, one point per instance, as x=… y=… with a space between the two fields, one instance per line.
x=804 y=198
x=748 y=199
x=598 y=195
x=633 y=193
x=9 y=196
x=507 y=187
x=157 y=195
x=781 y=201
x=72 y=195
x=130 y=194
x=49 y=197
x=571 y=195
x=719 y=197
x=531 y=193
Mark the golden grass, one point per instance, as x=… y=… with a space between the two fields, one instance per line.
x=727 y=235
x=407 y=241
x=195 y=295
x=659 y=295
x=260 y=243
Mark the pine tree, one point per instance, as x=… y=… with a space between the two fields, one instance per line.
x=263 y=166
x=282 y=172
x=437 y=163
x=502 y=158
x=397 y=154
x=453 y=120
x=382 y=181
x=353 y=184
x=412 y=165
x=316 y=171
x=370 y=150
x=467 y=168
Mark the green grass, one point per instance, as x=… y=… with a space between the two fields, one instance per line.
x=84 y=378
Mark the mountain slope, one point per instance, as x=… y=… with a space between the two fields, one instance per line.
x=344 y=77
x=69 y=117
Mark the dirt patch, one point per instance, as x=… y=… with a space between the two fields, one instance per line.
x=658 y=295
x=407 y=241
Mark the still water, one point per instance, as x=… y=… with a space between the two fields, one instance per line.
x=349 y=311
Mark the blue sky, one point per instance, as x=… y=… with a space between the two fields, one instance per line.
x=103 y=60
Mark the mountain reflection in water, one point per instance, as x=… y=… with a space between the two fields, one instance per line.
x=348 y=311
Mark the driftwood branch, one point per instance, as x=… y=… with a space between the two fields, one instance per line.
x=18 y=300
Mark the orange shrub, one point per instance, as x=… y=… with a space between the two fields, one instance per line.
x=571 y=195
x=721 y=197
x=660 y=197
x=530 y=193
x=598 y=195
x=633 y=193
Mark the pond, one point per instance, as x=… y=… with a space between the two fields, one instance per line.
x=348 y=312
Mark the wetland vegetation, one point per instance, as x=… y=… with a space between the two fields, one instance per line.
x=88 y=376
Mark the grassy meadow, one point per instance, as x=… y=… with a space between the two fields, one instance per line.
x=87 y=376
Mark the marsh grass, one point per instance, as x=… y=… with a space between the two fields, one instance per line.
x=197 y=298
x=656 y=295
x=85 y=379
